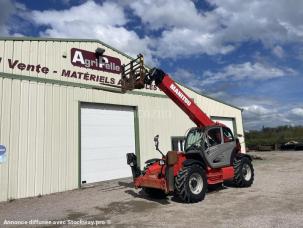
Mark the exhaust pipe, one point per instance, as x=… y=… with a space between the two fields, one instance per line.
x=132 y=162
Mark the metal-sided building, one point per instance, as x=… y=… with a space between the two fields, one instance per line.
x=63 y=127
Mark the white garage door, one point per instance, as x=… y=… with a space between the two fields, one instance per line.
x=229 y=122
x=107 y=134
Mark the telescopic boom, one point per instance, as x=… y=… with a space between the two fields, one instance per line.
x=136 y=76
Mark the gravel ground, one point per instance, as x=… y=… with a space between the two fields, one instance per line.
x=274 y=200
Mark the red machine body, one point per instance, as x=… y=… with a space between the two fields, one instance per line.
x=166 y=173
x=155 y=175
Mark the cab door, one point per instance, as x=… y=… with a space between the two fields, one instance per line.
x=220 y=144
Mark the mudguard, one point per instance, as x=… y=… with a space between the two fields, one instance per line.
x=241 y=155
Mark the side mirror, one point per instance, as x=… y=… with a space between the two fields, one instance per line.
x=156 y=140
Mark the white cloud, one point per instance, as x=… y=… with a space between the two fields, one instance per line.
x=270 y=22
x=89 y=12
x=183 y=75
x=182 y=28
x=278 y=51
x=182 y=42
x=257 y=116
x=246 y=71
x=6 y=9
x=188 y=78
x=257 y=109
x=105 y=22
x=297 y=112
x=188 y=31
x=173 y=13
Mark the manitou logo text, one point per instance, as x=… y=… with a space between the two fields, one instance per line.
x=88 y=59
x=180 y=94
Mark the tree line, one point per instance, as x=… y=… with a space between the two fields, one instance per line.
x=276 y=135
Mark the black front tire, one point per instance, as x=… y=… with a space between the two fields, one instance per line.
x=191 y=184
x=244 y=172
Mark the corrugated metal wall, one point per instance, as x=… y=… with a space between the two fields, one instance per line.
x=39 y=122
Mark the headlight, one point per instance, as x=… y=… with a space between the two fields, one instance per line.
x=161 y=162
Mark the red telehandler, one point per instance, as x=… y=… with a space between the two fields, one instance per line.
x=211 y=156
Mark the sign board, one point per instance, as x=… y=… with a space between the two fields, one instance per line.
x=87 y=59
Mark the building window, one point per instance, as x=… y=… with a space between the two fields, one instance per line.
x=178 y=143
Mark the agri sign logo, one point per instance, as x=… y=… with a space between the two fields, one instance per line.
x=87 y=59
x=2 y=154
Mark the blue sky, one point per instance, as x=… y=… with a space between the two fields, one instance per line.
x=247 y=53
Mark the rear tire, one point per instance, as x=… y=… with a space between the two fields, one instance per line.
x=191 y=184
x=244 y=172
x=155 y=193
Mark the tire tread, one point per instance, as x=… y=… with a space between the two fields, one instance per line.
x=181 y=184
x=239 y=181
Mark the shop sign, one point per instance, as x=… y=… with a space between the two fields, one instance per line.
x=87 y=59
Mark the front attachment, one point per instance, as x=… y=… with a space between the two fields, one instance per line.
x=132 y=162
x=133 y=74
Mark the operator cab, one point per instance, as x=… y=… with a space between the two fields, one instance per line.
x=216 y=144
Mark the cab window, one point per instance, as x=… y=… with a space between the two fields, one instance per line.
x=214 y=136
x=227 y=135
x=194 y=139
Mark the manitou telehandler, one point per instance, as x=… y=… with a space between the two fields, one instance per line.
x=211 y=156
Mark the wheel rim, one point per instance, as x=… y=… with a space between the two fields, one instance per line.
x=195 y=183
x=246 y=170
